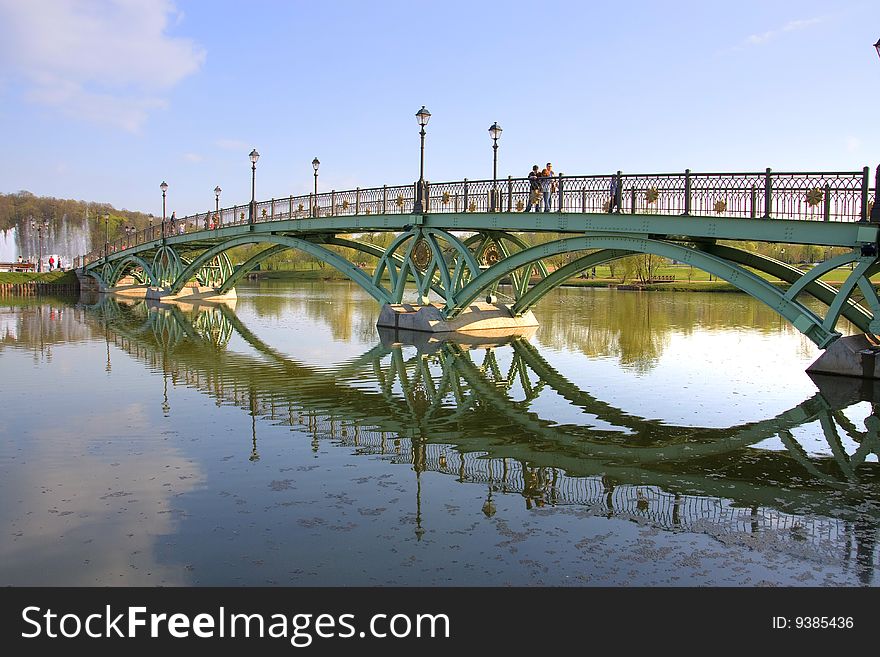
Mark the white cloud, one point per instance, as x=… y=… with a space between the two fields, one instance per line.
x=764 y=37
x=108 y=61
x=192 y=157
x=853 y=144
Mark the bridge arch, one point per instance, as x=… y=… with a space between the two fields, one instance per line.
x=820 y=331
x=125 y=266
x=806 y=282
x=352 y=271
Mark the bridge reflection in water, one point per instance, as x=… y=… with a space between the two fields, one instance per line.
x=468 y=410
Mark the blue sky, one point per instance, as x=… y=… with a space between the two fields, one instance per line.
x=104 y=99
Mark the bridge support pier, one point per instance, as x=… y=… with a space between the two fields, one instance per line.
x=854 y=355
x=477 y=317
x=191 y=292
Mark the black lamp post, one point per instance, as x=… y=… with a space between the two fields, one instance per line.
x=217 y=191
x=254 y=157
x=315 y=164
x=164 y=188
x=422 y=116
x=106 y=235
x=875 y=210
x=495 y=133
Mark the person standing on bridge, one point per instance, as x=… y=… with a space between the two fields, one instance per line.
x=548 y=186
x=534 y=190
x=615 y=195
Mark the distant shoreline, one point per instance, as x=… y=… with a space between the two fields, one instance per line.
x=67 y=279
x=330 y=274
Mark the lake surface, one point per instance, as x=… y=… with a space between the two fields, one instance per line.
x=634 y=439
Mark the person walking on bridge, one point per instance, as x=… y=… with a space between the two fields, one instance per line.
x=534 y=190
x=614 y=190
x=548 y=186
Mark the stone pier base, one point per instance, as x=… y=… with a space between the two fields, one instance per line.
x=133 y=291
x=429 y=319
x=428 y=343
x=853 y=355
x=189 y=293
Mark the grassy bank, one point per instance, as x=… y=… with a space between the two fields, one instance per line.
x=328 y=273
x=674 y=286
x=685 y=285
x=48 y=277
x=699 y=282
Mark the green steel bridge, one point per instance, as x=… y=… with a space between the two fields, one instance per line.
x=471 y=412
x=472 y=235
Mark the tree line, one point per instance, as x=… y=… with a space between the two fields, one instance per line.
x=20 y=208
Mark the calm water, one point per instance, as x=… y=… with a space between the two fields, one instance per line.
x=635 y=439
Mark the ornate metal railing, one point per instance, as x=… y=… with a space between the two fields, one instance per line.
x=819 y=196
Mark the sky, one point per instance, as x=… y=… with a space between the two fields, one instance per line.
x=102 y=100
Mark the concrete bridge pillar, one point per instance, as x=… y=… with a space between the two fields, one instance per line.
x=481 y=316
x=853 y=355
x=87 y=283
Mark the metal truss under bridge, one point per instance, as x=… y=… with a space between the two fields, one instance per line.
x=472 y=235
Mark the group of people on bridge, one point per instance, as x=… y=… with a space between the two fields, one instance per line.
x=175 y=226
x=542 y=186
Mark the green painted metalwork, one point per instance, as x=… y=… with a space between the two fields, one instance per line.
x=128 y=265
x=558 y=277
x=834 y=311
x=215 y=272
x=784 y=272
x=167 y=268
x=420 y=255
x=803 y=318
x=249 y=265
x=333 y=259
x=491 y=246
x=445 y=251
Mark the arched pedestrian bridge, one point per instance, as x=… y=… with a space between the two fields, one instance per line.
x=473 y=236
